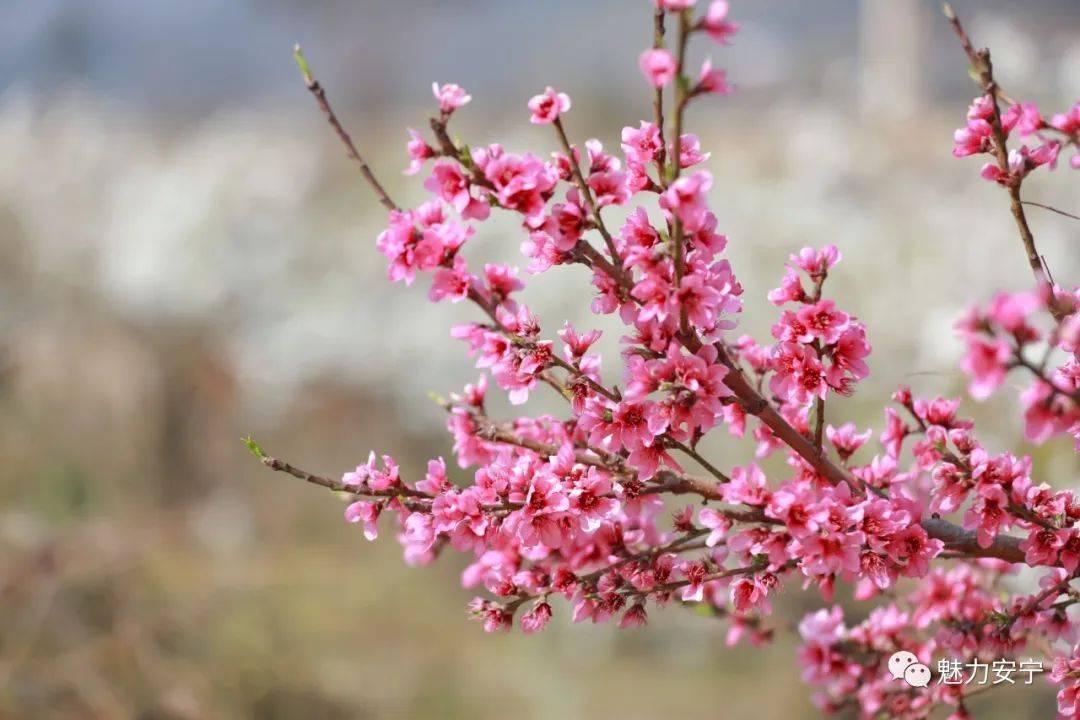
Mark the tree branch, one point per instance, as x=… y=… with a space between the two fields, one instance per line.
x=324 y=104
x=982 y=65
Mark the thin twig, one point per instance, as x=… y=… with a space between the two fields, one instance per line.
x=713 y=470
x=1051 y=209
x=320 y=97
x=1033 y=604
x=586 y=192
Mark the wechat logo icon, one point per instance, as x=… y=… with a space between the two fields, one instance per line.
x=903 y=665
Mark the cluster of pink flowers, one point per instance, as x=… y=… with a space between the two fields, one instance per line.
x=952 y=614
x=1007 y=336
x=580 y=506
x=979 y=136
x=819 y=348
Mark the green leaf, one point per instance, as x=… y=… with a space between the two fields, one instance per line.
x=302 y=63
x=254 y=447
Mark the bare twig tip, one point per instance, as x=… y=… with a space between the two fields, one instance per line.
x=948 y=10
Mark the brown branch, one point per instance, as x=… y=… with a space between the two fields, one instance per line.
x=1021 y=361
x=819 y=422
x=658 y=98
x=956 y=539
x=983 y=66
x=719 y=575
x=324 y=104
x=401 y=492
x=681 y=99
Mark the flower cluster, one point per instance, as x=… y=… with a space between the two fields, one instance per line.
x=584 y=504
x=988 y=128
x=819 y=348
x=1006 y=335
x=951 y=614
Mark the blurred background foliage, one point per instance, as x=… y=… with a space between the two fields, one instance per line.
x=186 y=258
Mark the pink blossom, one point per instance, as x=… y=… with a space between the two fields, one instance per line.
x=368 y=514
x=419 y=152
x=716 y=523
x=748 y=486
x=522 y=183
x=634 y=617
x=831 y=552
x=567 y=222
x=658 y=66
x=536 y=619
x=501 y=281
x=798 y=507
x=544 y=505
x=641 y=144
x=913 y=549
x=1011 y=311
x=577 y=344
x=749 y=594
x=1067 y=122
x=816 y=263
x=685 y=198
x=790 y=289
x=590 y=500
x=609 y=188
x=712 y=80
x=453 y=282
x=988 y=515
x=1045 y=413
x=435 y=481
x=1041 y=547
x=371 y=476
x=848 y=358
x=450 y=184
x=450 y=97
x=690 y=151
x=695 y=574
x=548 y=106
x=716 y=23
x=646 y=459
x=823 y=321
x=985 y=364
x=847 y=440
x=798 y=374
x=974 y=138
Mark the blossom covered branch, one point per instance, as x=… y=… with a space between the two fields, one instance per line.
x=574 y=506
